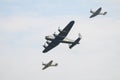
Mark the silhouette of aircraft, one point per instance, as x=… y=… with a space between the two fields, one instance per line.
x=53 y=41
x=97 y=12
x=49 y=64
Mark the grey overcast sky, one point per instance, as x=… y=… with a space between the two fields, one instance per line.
x=25 y=23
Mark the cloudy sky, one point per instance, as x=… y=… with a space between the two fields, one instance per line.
x=25 y=23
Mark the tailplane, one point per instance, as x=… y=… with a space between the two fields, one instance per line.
x=76 y=41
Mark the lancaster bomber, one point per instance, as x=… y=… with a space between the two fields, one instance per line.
x=56 y=39
x=97 y=12
x=49 y=64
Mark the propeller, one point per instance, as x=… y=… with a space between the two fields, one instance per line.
x=55 y=34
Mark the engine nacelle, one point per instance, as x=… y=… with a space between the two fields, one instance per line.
x=44 y=46
x=54 y=35
x=47 y=42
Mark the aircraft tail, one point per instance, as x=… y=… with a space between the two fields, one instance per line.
x=104 y=13
x=55 y=64
x=76 y=41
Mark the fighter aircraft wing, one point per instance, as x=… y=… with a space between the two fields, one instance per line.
x=45 y=67
x=58 y=38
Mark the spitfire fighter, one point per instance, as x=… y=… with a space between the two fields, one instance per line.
x=97 y=12
x=49 y=64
